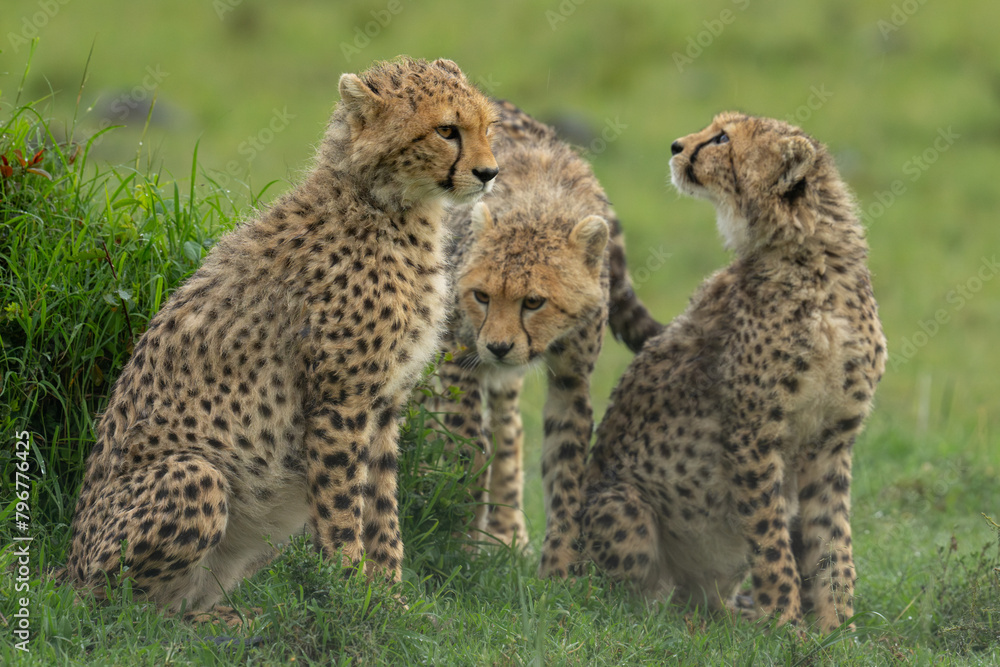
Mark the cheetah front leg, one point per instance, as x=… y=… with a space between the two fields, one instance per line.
x=759 y=476
x=825 y=558
x=569 y=424
x=506 y=518
x=382 y=540
x=338 y=448
x=465 y=419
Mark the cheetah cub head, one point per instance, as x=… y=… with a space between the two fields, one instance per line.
x=419 y=128
x=524 y=286
x=760 y=173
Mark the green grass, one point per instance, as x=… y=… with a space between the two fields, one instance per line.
x=80 y=250
x=88 y=257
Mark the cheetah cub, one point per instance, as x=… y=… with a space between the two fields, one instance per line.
x=539 y=271
x=727 y=444
x=264 y=395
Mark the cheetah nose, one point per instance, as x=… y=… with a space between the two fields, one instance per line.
x=499 y=350
x=676 y=148
x=485 y=175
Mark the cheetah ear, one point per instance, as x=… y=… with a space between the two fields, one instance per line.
x=482 y=220
x=356 y=95
x=449 y=66
x=797 y=158
x=591 y=236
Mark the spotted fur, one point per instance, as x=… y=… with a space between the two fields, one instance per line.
x=264 y=396
x=727 y=445
x=538 y=265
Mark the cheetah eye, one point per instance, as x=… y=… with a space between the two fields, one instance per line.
x=533 y=302
x=721 y=138
x=481 y=296
x=449 y=132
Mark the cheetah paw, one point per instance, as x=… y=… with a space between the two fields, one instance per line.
x=222 y=615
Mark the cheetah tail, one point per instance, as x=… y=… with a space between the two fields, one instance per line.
x=628 y=317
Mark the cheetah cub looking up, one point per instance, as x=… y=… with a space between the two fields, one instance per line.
x=264 y=395
x=727 y=444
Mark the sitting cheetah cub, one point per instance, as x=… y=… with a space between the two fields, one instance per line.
x=264 y=395
x=727 y=445
x=539 y=271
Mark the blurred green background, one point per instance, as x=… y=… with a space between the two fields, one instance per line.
x=906 y=94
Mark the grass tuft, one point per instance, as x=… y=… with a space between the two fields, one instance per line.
x=964 y=598
x=88 y=254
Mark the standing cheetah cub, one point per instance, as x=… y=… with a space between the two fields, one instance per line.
x=727 y=446
x=264 y=395
x=539 y=271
